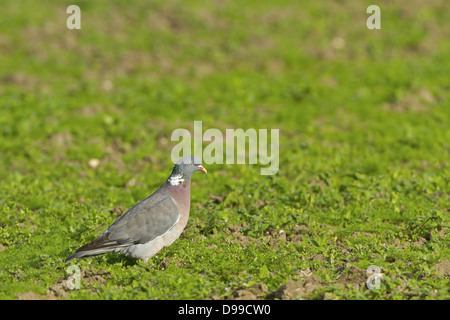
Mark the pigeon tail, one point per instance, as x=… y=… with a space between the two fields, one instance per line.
x=89 y=253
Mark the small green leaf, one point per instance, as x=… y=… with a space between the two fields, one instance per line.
x=313 y=242
x=263 y=272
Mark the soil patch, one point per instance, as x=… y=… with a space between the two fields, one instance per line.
x=355 y=277
x=297 y=289
x=258 y=291
x=443 y=268
x=31 y=295
x=60 y=288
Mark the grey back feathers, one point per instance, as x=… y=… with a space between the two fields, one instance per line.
x=151 y=218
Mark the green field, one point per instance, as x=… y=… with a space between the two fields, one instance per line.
x=364 y=146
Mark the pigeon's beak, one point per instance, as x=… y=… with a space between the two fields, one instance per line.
x=202 y=168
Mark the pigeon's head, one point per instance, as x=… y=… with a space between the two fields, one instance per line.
x=184 y=169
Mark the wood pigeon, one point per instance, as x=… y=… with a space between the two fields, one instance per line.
x=153 y=223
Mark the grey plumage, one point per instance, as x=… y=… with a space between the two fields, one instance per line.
x=152 y=223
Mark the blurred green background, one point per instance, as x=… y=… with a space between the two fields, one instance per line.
x=364 y=130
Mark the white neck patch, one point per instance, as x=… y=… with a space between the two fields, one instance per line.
x=176 y=180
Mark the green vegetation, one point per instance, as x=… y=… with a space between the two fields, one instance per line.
x=364 y=130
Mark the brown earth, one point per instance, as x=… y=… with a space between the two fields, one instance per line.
x=60 y=288
x=297 y=289
x=257 y=291
x=31 y=295
x=443 y=268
